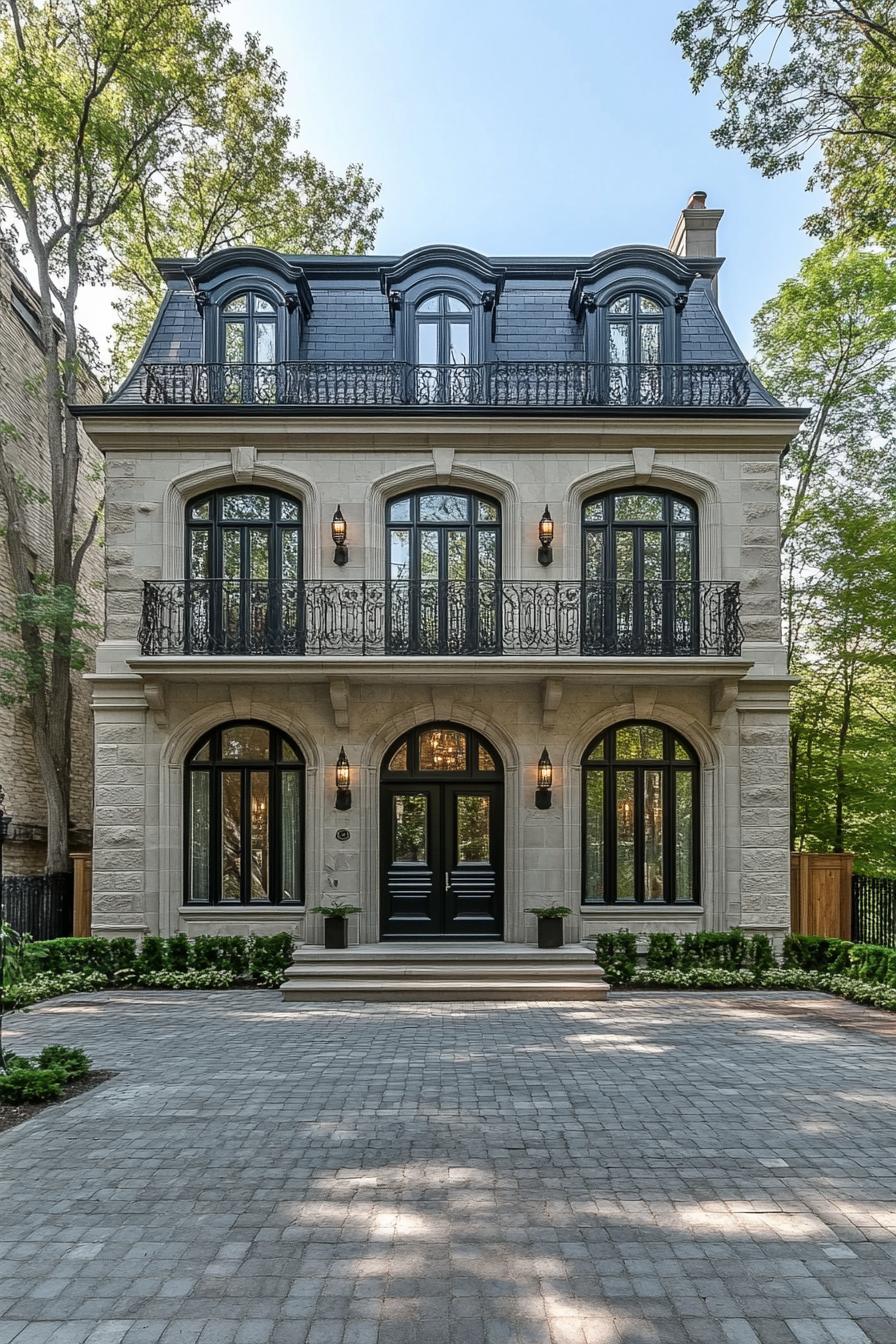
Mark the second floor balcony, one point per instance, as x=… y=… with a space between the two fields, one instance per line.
x=394 y=618
x=395 y=384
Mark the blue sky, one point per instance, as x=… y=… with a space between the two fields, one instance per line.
x=543 y=126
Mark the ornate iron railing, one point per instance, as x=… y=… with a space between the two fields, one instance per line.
x=399 y=618
x=518 y=383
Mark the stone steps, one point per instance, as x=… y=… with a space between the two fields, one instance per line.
x=454 y=972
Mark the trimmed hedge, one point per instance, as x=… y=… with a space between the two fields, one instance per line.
x=732 y=951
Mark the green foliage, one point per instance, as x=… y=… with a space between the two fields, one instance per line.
x=336 y=910
x=152 y=956
x=663 y=951
x=760 y=953
x=68 y=1059
x=16 y=948
x=62 y=618
x=617 y=955
x=230 y=954
x=269 y=956
x=730 y=950
x=207 y=979
x=693 y=977
x=549 y=911
x=179 y=952
x=60 y=955
x=29 y=1086
x=44 y=986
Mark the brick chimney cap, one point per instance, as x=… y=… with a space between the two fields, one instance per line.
x=697 y=201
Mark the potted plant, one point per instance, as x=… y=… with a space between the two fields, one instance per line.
x=550 y=923
x=335 y=922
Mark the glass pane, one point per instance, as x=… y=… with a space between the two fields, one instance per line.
x=598 y=751
x=202 y=754
x=289 y=553
x=430 y=305
x=199 y=553
x=265 y=343
x=234 y=343
x=410 y=812
x=625 y=835
x=682 y=512
x=458 y=342
x=684 y=835
x=259 y=823
x=443 y=749
x=595 y=886
x=619 y=342
x=444 y=508
x=485 y=761
x=487 y=543
x=232 y=553
x=399 y=553
x=684 y=555
x=245 y=742
x=471 y=818
x=258 y=553
x=427 y=343
x=638 y=508
x=200 y=833
x=400 y=511
x=595 y=511
x=245 y=507
x=399 y=759
x=594 y=554
x=646 y=305
x=289 y=510
x=231 y=834
x=287 y=753
x=429 y=555
x=653 y=835
x=681 y=752
x=262 y=305
x=653 y=555
x=457 y=556
x=625 y=556
x=237 y=305
x=200 y=511
x=485 y=512
x=639 y=742
x=290 y=833
x=650 y=343
x=620 y=307
x=456 y=305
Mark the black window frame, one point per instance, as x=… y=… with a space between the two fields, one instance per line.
x=669 y=766
x=414 y=774
x=215 y=767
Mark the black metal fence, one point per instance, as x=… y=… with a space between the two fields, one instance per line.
x=41 y=906
x=874 y=910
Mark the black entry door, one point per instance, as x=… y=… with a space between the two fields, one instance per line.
x=441 y=860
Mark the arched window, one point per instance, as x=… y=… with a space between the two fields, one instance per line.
x=249 y=349
x=639 y=570
x=634 y=349
x=243 y=573
x=444 y=571
x=244 y=804
x=443 y=345
x=639 y=817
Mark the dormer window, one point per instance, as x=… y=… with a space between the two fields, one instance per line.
x=634 y=349
x=443 y=330
x=250 y=330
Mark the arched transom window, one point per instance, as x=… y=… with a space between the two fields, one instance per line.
x=244 y=802
x=639 y=817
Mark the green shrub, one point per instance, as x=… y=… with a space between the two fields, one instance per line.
x=616 y=953
x=224 y=953
x=694 y=977
x=269 y=956
x=727 y=950
x=208 y=979
x=179 y=952
x=64 y=956
x=49 y=986
x=663 y=951
x=807 y=952
x=124 y=954
x=30 y=1085
x=152 y=956
x=69 y=1060
x=760 y=953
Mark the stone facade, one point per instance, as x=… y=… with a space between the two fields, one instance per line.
x=21 y=405
x=150 y=710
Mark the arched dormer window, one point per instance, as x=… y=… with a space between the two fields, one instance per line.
x=634 y=341
x=250 y=344
x=443 y=349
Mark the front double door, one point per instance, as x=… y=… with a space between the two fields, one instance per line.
x=441 y=861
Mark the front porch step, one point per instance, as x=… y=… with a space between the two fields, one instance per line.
x=444 y=971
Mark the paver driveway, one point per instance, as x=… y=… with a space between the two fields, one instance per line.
x=661 y=1168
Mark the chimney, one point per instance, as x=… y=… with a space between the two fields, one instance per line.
x=694 y=236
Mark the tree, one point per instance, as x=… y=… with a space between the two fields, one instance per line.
x=99 y=100
x=239 y=181
x=807 y=78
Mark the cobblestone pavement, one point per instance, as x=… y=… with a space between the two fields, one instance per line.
x=661 y=1168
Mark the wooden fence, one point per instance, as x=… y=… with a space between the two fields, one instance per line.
x=821 y=894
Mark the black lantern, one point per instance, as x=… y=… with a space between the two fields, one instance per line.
x=545 y=782
x=339 y=533
x=545 y=537
x=343 y=782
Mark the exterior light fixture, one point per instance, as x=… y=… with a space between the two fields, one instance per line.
x=343 y=782
x=545 y=782
x=545 y=537
x=339 y=533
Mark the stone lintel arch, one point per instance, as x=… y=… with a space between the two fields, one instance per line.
x=244 y=704
x=240 y=468
x=443 y=707
x=442 y=475
x=652 y=475
x=712 y=803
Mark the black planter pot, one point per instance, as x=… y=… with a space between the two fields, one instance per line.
x=550 y=932
x=335 y=932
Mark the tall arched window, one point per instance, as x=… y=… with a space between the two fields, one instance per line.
x=249 y=348
x=244 y=804
x=444 y=571
x=639 y=569
x=443 y=344
x=634 y=349
x=243 y=573
x=640 y=785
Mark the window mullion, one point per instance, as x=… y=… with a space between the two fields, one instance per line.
x=639 y=823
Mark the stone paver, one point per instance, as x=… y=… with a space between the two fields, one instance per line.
x=659 y=1169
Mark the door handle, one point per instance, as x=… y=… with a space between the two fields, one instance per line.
x=447 y=881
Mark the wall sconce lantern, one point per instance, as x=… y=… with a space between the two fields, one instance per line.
x=339 y=533
x=545 y=782
x=545 y=537
x=343 y=782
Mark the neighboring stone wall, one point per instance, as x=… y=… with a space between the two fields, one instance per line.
x=21 y=404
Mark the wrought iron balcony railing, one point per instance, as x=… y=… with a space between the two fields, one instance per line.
x=399 y=618
x=393 y=383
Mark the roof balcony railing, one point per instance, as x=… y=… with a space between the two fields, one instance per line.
x=541 y=384
x=398 y=618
